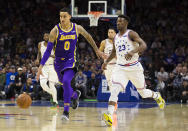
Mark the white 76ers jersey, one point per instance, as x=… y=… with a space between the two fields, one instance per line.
x=124 y=45
x=43 y=48
x=108 y=50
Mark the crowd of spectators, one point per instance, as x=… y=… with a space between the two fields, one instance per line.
x=162 y=24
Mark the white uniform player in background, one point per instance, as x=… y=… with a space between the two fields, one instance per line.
x=106 y=46
x=127 y=47
x=49 y=74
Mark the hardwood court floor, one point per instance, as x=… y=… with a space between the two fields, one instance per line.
x=129 y=117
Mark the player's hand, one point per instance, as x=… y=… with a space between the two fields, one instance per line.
x=39 y=72
x=101 y=54
x=104 y=66
x=37 y=62
x=129 y=55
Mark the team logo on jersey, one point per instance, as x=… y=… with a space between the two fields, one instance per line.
x=67 y=37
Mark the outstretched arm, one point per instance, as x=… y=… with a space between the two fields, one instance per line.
x=38 y=54
x=88 y=37
x=52 y=38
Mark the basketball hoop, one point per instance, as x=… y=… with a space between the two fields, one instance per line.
x=94 y=17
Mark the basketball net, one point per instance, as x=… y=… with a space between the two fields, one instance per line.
x=94 y=17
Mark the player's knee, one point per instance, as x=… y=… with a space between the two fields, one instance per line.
x=43 y=83
x=52 y=84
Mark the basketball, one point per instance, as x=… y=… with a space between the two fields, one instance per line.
x=24 y=101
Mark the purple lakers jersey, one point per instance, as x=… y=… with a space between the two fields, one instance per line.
x=65 y=47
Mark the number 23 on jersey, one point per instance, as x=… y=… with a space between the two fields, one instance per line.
x=121 y=47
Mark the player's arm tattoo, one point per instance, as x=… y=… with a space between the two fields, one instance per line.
x=136 y=38
x=112 y=55
x=87 y=36
x=102 y=46
x=52 y=36
x=39 y=53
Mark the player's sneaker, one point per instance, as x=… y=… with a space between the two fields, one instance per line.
x=160 y=101
x=107 y=119
x=75 y=102
x=54 y=105
x=65 y=116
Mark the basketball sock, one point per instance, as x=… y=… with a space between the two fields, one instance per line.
x=155 y=95
x=111 y=109
x=66 y=108
x=54 y=92
x=75 y=95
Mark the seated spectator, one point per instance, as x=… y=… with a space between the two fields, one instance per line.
x=20 y=80
x=10 y=82
x=80 y=83
x=169 y=87
x=87 y=72
x=32 y=75
x=156 y=44
x=184 y=72
x=169 y=62
x=2 y=83
x=160 y=86
x=2 y=79
x=93 y=85
x=162 y=74
x=177 y=84
x=184 y=91
x=178 y=69
x=30 y=88
x=179 y=55
x=151 y=84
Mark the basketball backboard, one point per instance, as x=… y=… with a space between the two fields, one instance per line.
x=111 y=8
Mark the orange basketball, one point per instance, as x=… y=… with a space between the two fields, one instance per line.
x=24 y=101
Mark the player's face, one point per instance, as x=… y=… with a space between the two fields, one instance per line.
x=46 y=37
x=64 y=18
x=111 y=33
x=121 y=23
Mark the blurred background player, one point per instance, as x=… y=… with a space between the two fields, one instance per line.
x=106 y=46
x=64 y=37
x=49 y=74
x=127 y=46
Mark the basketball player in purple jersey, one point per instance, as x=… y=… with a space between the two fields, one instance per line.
x=64 y=37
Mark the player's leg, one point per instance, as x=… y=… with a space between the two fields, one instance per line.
x=53 y=79
x=68 y=92
x=44 y=79
x=108 y=75
x=138 y=80
x=119 y=82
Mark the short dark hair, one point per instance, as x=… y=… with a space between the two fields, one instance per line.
x=111 y=28
x=127 y=18
x=65 y=9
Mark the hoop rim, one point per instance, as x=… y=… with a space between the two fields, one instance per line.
x=96 y=13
